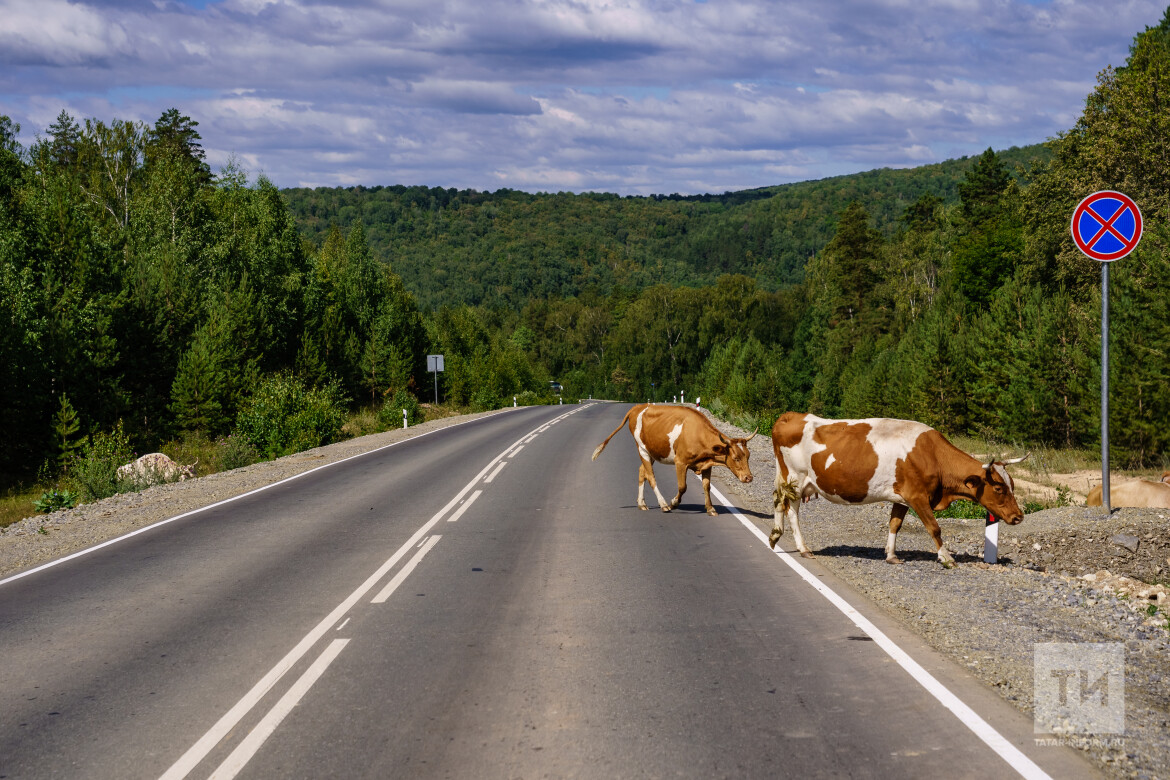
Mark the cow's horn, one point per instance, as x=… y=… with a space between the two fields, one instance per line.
x=1010 y=461
x=745 y=441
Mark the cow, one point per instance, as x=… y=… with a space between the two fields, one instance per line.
x=156 y=467
x=1138 y=492
x=686 y=438
x=880 y=459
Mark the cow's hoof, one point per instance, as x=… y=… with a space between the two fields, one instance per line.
x=774 y=537
x=643 y=507
x=806 y=554
x=947 y=564
x=665 y=509
x=894 y=559
x=712 y=512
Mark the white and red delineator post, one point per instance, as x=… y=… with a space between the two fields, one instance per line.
x=991 y=539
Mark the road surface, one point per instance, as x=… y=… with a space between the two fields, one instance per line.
x=481 y=601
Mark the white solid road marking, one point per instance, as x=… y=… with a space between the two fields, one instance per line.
x=246 y=749
x=197 y=752
x=405 y=571
x=982 y=729
x=516 y=451
x=459 y=512
x=495 y=473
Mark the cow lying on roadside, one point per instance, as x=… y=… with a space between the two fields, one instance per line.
x=686 y=438
x=156 y=467
x=1138 y=492
x=879 y=459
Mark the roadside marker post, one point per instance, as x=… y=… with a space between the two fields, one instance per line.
x=1106 y=226
x=991 y=539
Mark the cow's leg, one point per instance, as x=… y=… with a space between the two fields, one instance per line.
x=646 y=474
x=793 y=513
x=680 y=471
x=642 y=485
x=926 y=514
x=705 y=475
x=897 y=515
x=778 y=510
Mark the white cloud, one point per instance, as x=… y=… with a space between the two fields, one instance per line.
x=634 y=95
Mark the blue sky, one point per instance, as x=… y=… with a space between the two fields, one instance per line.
x=627 y=96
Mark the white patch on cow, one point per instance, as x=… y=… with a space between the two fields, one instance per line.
x=1007 y=478
x=642 y=451
x=892 y=440
x=890 y=541
x=829 y=462
x=672 y=437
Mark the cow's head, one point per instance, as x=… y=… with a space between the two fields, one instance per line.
x=994 y=489
x=734 y=454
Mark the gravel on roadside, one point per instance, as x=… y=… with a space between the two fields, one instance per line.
x=989 y=618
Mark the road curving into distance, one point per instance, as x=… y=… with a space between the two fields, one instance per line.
x=480 y=601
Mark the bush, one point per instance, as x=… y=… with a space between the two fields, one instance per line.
x=94 y=473
x=284 y=416
x=391 y=412
x=485 y=400
x=233 y=452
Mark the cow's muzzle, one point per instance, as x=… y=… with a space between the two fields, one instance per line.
x=746 y=479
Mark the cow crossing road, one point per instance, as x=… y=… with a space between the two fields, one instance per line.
x=480 y=601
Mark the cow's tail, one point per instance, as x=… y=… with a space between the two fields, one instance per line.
x=621 y=425
x=784 y=496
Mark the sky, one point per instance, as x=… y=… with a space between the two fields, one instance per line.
x=634 y=97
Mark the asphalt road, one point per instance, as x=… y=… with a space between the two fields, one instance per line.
x=483 y=601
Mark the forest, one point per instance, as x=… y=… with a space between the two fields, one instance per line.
x=146 y=299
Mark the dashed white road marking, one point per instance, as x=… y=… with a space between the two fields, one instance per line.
x=1023 y=765
x=495 y=473
x=405 y=571
x=459 y=512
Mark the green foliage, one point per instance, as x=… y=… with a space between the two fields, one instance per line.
x=283 y=416
x=233 y=452
x=509 y=248
x=390 y=414
x=52 y=500
x=93 y=474
x=65 y=428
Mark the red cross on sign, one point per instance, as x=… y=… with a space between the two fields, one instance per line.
x=1107 y=225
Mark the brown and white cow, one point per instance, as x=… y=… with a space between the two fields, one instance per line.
x=1138 y=492
x=880 y=459
x=686 y=438
x=156 y=467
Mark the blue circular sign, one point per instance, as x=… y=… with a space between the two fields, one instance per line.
x=1107 y=225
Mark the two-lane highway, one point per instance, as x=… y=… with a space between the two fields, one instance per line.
x=481 y=601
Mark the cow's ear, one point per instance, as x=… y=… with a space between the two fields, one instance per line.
x=720 y=449
x=973 y=481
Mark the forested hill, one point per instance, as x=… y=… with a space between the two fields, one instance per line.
x=506 y=248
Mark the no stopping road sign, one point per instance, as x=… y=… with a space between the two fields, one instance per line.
x=1107 y=225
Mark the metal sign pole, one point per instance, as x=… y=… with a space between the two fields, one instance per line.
x=1106 y=226
x=1105 y=388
